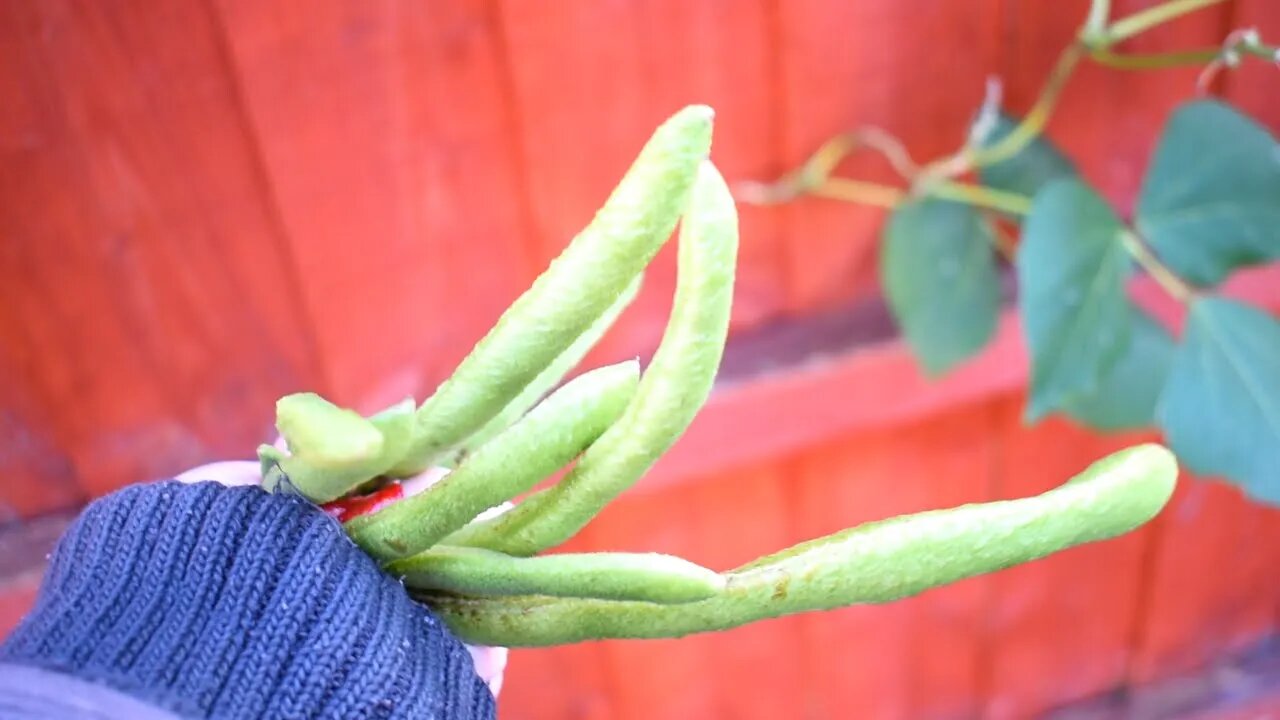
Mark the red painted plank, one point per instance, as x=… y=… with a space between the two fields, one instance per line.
x=845 y=65
x=1213 y=581
x=739 y=516
x=146 y=298
x=1252 y=86
x=386 y=130
x=1059 y=629
x=915 y=658
x=38 y=476
x=722 y=54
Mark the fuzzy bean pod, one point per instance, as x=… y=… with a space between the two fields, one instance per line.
x=333 y=450
x=552 y=434
x=555 y=372
x=873 y=563
x=579 y=286
x=325 y=434
x=643 y=577
x=672 y=390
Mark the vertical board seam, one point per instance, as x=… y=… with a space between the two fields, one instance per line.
x=513 y=120
x=315 y=371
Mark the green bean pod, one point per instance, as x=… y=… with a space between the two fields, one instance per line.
x=672 y=390
x=579 y=286
x=552 y=434
x=555 y=372
x=643 y=577
x=873 y=563
x=333 y=450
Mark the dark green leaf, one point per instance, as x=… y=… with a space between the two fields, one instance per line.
x=1211 y=199
x=1220 y=409
x=1035 y=166
x=1072 y=268
x=939 y=274
x=1125 y=397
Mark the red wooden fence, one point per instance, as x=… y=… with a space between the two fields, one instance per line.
x=205 y=205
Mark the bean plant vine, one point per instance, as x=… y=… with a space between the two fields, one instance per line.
x=1209 y=204
x=504 y=421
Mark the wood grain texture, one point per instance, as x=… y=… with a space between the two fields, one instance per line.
x=920 y=657
x=386 y=130
x=841 y=69
x=1061 y=630
x=147 y=300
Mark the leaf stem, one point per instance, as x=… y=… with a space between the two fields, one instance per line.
x=1095 y=26
x=1004 y=243
x=859 y=191
x=1144 y=20
x=1164 y=277
x=1153 y=61
x=1038 y=116
x=815 y=174
x=980 y=196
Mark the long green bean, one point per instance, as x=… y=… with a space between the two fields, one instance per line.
x=874 y=563
x=554 y=372
x=674 y=387
x=552 y=434
x=644 y=577
x=579 y=286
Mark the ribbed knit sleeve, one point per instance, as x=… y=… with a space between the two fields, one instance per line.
x=223 y=602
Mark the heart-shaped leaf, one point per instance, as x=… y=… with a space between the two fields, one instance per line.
x=1125 y=397
x=1072 y=268
x=938 y=269
x=1220 y=408
x=1210 y=201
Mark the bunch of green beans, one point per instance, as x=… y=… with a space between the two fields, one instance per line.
x=490 y=423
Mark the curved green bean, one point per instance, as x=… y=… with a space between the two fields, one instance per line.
x=553 y=433
x=333 y=450
x=579 y=286
x=643 y=577
x=674 y=387
x=554 y=372
x=874 y=563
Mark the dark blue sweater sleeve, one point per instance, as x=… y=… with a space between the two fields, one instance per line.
x=214 y=602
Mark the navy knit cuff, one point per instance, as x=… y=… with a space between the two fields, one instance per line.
x=233 y=603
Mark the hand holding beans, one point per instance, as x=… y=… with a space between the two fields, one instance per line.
x=481 y=574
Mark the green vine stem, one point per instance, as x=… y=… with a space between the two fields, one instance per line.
x=858 y=191
x=1095 y=26
x=1168 y=280
x=1095 y=41
x=980 y=196
x=815 y=176
x=1032 y=124
x=1144 y=20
